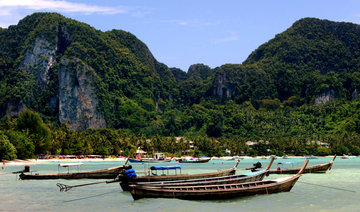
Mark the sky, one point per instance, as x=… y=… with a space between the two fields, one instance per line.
x=180 y=33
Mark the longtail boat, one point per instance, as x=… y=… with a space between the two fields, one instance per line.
x=109 y=173
x=196 y=160
x=148 y=160
x=222 y=191
x=241 y=178
x=321 y=168
x=152 y=178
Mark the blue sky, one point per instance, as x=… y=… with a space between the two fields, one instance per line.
x=184 y=32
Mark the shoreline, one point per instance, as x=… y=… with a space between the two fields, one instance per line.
x=55 y=160
x=18 y=162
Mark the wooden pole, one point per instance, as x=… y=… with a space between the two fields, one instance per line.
x=271 y=162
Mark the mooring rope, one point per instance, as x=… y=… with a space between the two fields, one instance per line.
x=342 y=189
x=97 y=195
x=6 y=173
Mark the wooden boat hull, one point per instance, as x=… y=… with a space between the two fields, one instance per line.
x=321 y=168
x=258 y=176
x=222 y=191
x=134 y=160
x=109 y=173
x=195 y=161
x=153 y=178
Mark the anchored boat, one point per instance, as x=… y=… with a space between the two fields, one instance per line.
x=151 y=178
x=242 y=178
x=321 y=168
x=194 y=160
x=109 y=173
x=222 y=191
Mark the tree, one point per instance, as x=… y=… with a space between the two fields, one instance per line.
x=215 y=127
x=24 y=147
x=341 y=149
x=31 y=123
x=322 y=151
x=7 y=150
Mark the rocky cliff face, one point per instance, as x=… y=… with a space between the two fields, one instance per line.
x=325 y=97
x=13 y=110
x=47 y=64
x=221 y=87
x=77 y=100
x=39 y=60
x=354 y=95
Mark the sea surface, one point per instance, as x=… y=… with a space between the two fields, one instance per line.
x=337 y=190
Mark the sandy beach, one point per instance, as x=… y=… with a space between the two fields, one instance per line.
x=57 y=160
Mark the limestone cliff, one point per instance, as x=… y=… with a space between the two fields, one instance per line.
x=38 y=61
x=354 y=95
x=221 y=86
x=325 y=97
x=77 y=100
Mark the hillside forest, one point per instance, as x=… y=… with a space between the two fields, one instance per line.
x=69 y=89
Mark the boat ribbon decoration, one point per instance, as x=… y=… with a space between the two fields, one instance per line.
x=130 y=173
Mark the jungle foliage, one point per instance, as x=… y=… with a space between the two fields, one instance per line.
x=269 y=98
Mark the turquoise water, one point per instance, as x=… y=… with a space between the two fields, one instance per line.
x=31 y=195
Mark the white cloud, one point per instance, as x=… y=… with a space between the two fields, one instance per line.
x=5 y=11
x=56 y=5
x=11 y=11
x=232 y=37
x=191 y=23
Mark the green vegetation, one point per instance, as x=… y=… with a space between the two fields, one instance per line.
x=311 y=57
x=7 y=149
x=268 y=99
x=291 y=131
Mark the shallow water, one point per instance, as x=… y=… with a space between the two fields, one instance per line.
x=337 y=190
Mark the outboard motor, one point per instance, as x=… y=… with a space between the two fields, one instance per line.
x=257 y=165
x=26 y=169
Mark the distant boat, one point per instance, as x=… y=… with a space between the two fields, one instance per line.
x=109 y=173
x=194 y=160
x=347 y=157
x=148 y=160
x=217 y=191
x=228 y=158
x=310 y=157
x=158 y=158
x=321 y=168
x=236 y=157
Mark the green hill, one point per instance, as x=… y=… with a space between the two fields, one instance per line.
x=62 y=68
x=90 y=91
x=312 y=57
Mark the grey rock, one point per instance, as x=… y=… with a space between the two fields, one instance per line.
x=77 y=100
x=38 y=60
x=325 y=97
x=354 y=95
x=221 y=87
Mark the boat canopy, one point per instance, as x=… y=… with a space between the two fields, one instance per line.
x=165 y=167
